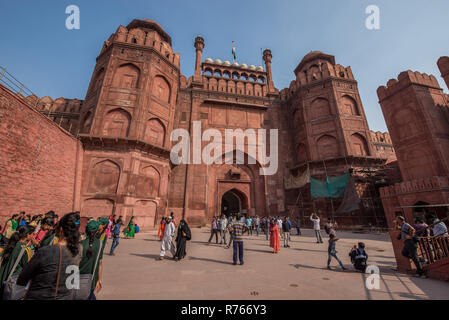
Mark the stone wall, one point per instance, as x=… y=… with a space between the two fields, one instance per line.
x=38 y=161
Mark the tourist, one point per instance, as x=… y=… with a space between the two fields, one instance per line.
x=160 y=232
x=15 y=256
x=50 y=237
x=359 y=257
x=316 y=226
x=257 y=225
x=249 y=222
x=410 y=249
x=167 y=241
x=238 y=228
x=115 y=234
x=438 y=227
x=421 y=228
x=332 y=252
x=329 y=226
x=223 y=225
x=21 y=221
x=92 y=257
x=182 y=237
x=286 y=227
x=47 y=268
x=46 y=225
x=214 y=230
x=231 y=236
x=274 y=236
x=130 y=229
x=298 y=225
x=11 y=226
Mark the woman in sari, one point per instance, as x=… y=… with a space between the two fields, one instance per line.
x=130 y=229
x=184 y=234
x=274 y=236
x=161 y=230
x=17 y=243
x=11 y=226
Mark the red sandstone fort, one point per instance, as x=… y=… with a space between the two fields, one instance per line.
x=110 y=153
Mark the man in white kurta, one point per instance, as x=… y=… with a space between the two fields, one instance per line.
x=167 y=240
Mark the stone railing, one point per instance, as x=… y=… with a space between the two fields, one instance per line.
x=433 y=249
x=418 y=185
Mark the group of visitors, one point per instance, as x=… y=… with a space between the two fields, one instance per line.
x=183 y=235
x=38 y=254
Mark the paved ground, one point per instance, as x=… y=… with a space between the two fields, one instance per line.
x=295 y=273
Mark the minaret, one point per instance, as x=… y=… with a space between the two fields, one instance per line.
x=199 y=46
x=267 y=58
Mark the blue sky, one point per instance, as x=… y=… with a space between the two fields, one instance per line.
x=51 y=60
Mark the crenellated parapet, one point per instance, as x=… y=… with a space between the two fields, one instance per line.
x=404 y=80
x=146 y=33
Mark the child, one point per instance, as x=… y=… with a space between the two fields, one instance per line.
x=332 y=252
x=359 y=257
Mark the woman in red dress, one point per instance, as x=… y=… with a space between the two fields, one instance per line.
x=161 y=230
x=274 y=236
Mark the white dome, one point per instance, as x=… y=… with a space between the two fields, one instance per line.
x=252 y=67
x=217 y=61
x=259 y=68
x=235 y=64
x=209 y=60
x=243 y=65
x=226 y=63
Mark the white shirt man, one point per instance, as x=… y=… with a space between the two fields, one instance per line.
x=223 y=229
x=316 y=226
x=167 y=240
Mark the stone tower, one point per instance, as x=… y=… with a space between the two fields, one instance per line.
x=128 y=111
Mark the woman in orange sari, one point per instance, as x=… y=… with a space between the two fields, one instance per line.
x=274 y=236
x=161 y=231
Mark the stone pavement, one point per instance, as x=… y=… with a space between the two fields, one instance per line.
x=298 y=272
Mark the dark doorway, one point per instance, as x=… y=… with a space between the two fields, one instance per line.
x=230 y=203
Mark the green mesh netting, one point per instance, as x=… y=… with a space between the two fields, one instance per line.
x=333 y=187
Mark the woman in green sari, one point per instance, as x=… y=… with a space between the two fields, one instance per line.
x=16 y=243
x=130 y=229
x=11 y=226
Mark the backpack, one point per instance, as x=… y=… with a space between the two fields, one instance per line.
x=137 y=228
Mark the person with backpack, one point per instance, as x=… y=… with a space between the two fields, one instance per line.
x=359 y=257
x=182 y=237
x=115 y=231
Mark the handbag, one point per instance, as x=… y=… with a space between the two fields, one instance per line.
x=85 y=283
x=12 y=291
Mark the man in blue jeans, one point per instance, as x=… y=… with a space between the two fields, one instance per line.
x=115 y=235
x=238 y=228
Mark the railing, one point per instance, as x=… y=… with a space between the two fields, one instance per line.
x=433 y=249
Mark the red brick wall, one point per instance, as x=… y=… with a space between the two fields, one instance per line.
x=37 y=161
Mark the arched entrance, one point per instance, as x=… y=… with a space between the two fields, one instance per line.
x=233 y=201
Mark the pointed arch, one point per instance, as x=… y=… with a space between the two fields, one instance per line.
x=161 y=88
x=116 y=123
x=127 y=76
x=155 y=132
x=104 y=177
x=349 y=106
x=327 y=146
x=359 y=146
x=319 y=108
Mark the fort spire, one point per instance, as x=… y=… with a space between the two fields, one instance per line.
x=199 y=46
x=267 y=58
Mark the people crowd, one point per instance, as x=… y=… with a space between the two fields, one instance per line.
x=34 y=249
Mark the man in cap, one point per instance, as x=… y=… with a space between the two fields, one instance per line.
x=167 y=240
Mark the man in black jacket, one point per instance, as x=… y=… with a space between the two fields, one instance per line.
x=286 y=227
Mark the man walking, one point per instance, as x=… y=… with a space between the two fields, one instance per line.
x=316 y=226
x=214 y=230
x=167 y=241
x=298 y=225
x=238 y=229
x=410 y=249
x=115 y=230
x=249 y=222
x=223 y=229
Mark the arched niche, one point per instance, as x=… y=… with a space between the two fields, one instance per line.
x=359 y=145
x=327 y=146
x=152 y=181
x=155 y=132
x=349 y=106
x=116 y=123
x=126 y=76
x=319 y=108
x=161 y=89
x=104 y=177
